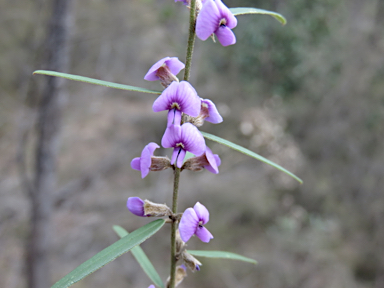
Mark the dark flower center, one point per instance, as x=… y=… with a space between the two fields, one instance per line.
x=175 y=105
x=180 y=145
x=223 y=22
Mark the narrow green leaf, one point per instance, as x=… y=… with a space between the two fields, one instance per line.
x=95 y=81
x=249 y=10
x=222 y=255
x=249 y=153
x=142 y=258
x=110 y=253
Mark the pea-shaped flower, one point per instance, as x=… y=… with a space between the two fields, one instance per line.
x=147 y=162
x=208 y=160
x=177 y=98
x=216 y=18
x=183 y=138
x=192 y=222
x=165 y=70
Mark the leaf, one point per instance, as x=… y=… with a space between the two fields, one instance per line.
x=249 y=153
x=95 y=81
x=249 y=10
x=110 y=253
x=142 y=258
x=222 y=255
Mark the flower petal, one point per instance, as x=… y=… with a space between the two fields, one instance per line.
x=208 y=20
x=188 y=224
x=164 y=101
x=135 y=163
x=180 y=158
x=201 y=212
x=174 y=117
x=151 y=74
x=214 y=115
x=136 y=206
x=225 y=36
x=218 y=163
x=212 y=167
x=203 y=234
x=192 y=139
x=146 y=158
x=175 y=65
x=175 y=153
x=227 y=14
x=188 y=100
x=172 y=136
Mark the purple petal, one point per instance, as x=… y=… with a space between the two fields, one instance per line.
x=175 y=153
x=151 y=286
x=192 y=139
x=188 y=100
x=164 y=101
x=136 y=206
x=188 y=224
x=225 y=36
x=135 y=163
x=151 y=74
x=175 y=65
x=227 y=14
x=146 y=158
x=218 y=163
x=203 y=234
x=212 y=167
x=214 y=115
x=172 y=136
x=183 y=266
x=180 y=158
x=208 y=20
x=201 y=212
x=174 y=117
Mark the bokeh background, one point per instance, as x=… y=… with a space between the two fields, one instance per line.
x=308 y=95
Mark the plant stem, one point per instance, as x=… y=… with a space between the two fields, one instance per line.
x=191 y=40
x=176 y=180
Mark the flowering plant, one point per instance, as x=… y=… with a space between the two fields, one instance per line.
x=186 y=113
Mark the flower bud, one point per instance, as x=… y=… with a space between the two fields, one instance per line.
x=191 y=262
x=147 y=208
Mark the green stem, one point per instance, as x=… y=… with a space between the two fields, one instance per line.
x=176 y=180
x=174 y=228
x=191 y=40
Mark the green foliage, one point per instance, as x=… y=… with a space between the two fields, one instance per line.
x=248 y=10
x=95 y=81
x=249 y=153
x=142 y=258
x=221 y=255
x=110 y=253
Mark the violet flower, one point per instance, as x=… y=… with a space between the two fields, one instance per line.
x=208 y=160
x=216 y=18
x=183 y=138
x=136 y=206
x=165 y=70
x=151 y=286
x=144 y=162
x=209 y=112
x=192 y=223
x=177 y=98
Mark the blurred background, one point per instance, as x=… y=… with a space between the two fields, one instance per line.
x=308 y=95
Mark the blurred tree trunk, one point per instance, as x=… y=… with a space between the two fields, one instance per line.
x=48 y=127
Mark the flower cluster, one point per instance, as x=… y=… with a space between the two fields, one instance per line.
x=186 y=111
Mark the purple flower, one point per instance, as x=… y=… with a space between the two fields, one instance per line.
x=136 y=206
x=213 y=160
x=177 y=98
x=183 y=138
x=192 y=223
x=144 y=162
x=216 y=18
x=208 y=160
x=166 y=65
x=209 y=112
x=151 y=286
